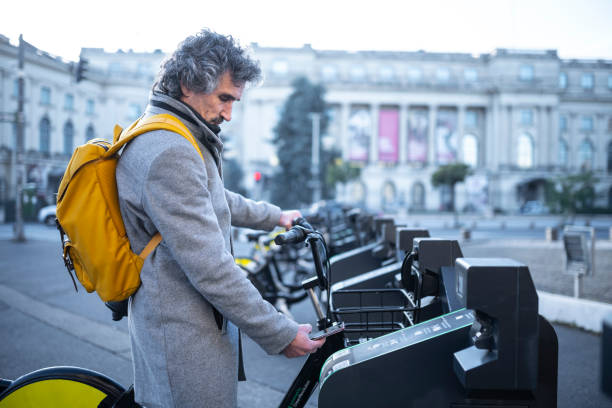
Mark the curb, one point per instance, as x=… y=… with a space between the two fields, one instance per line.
x=582 y=313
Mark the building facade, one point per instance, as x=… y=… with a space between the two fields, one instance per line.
x=516 y=117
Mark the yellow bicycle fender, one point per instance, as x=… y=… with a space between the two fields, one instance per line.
x=54 y=393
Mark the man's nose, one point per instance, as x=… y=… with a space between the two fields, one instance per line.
x=226 y=113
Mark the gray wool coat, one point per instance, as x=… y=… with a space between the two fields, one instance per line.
x=180 y=356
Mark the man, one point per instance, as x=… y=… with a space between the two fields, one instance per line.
x=185 y=316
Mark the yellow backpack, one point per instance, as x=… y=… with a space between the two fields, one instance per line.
x=94 y=240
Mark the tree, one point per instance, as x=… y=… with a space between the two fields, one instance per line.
x=340 y=172
x=572 y=193
x=233 y=176
x=291 y=184
x=449 y=175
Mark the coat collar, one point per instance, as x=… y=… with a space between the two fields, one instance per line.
x=160 y=103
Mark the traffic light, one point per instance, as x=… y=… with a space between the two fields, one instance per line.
x=81 y=68
x=257 y=176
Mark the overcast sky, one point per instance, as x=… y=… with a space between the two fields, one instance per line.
x=576 y=28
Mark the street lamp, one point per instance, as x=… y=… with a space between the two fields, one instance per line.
x=314 y=167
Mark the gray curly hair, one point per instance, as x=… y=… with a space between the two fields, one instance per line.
x=200 y=60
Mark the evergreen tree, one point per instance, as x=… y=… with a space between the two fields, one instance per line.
x=233 y=176
x=291 y=185
x=449 y=175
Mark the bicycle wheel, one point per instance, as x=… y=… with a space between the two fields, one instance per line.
x=60 y=387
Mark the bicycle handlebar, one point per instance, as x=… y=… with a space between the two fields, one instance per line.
x=297 y=233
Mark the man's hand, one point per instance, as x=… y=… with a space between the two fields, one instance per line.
x=302 y=345
x=287 y=217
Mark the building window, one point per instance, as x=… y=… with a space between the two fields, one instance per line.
x=563 y=150
x=526 y=117
x=562 y=80
x=443 y=74
x=45 y=95
x=470 y=75
x=471 y=118
x=609 y=167
x=526 y=73
x=585 y=154
x=44 y=130
x=389 y=194
x=357 y=73
x=69 y=102
x=610 y=82
x=470 y=150
x=417 y=197
x=587 y=81
x=386 y=74
x=414 y=74
x=16 y=88
x=329 y=73
x=280 y=68
x=90 y=108
x=90 y=133
x=68 y=138
x=525 y=151
x=562 y=123
x=586 y=124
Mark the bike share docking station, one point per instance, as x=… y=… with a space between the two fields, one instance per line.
x=471 y=336
x=428 y=329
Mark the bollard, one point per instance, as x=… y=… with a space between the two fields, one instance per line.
x=502 y=225
x=466 y=234
x=531 y=225
x=552 y=234
x=606 y=356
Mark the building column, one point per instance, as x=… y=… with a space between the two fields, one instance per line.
x=485 y=158
x=552 y=115
x=431 y=145
x=542 y=139
x=344 y=118
x=403 y=134
x=460 y=131
x=571 y=141
x=510 y=139
x=374 y=108
x=601 y=143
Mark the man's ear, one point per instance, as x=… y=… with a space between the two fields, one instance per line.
x=186 y=91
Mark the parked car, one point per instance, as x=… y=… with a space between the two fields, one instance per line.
x=46 y=215
x=534 y=207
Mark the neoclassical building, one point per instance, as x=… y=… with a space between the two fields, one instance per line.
x=516 y=117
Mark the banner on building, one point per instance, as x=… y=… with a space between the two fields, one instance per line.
x=446 y=136
x=418 y=128
x=388 y=135
x=359 y=133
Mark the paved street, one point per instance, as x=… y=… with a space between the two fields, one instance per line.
x=44 y=322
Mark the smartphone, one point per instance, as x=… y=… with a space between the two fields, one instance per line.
x=336 y=328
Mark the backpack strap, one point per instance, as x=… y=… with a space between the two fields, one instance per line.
x=162 y=121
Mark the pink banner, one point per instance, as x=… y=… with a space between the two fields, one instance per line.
x=388 y=135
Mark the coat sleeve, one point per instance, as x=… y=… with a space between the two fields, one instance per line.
x=176 y=198
x=251 y=214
